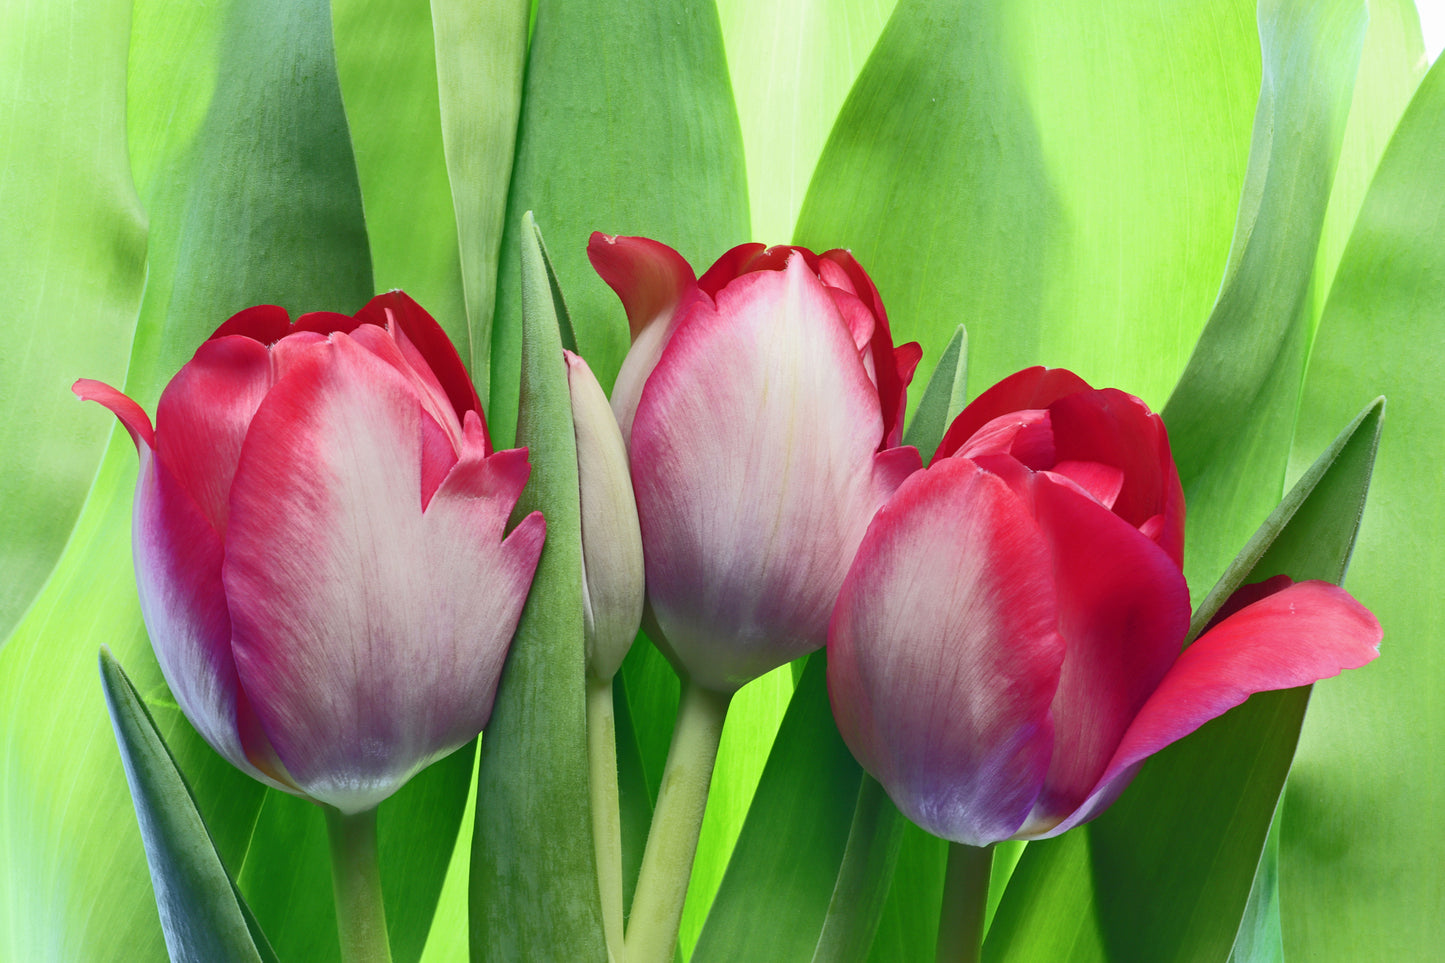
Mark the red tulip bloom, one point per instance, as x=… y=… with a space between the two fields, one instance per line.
x=1005 y=651
x=319 y=550
x=763 y=404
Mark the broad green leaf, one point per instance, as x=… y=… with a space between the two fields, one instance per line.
x=1060 y=177
x=791 y=65
x=387 y=65
x=942 y=399
x=874 y=842
x=72 y=249
x=1359 y=865
x=1166 y=873
x=1232 y=415
x=627 y=127
x=909 y=927
x=1260 y=939
x=202 y=913
x=534 y=892
x=782 y=903
x=481 y=50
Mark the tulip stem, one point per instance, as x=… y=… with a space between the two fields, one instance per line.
x=606 y=820
x=965 y=899
x=676 y=823
x=356 y=884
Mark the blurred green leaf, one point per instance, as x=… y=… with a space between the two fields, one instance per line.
x=1166 y=873
x=1359 y=864
x=387 y=66
x=481 y=51
x=202 y=913
x=627 y=127
x=1058 y=177
x=791 y=65
x=72 y=249
x=1232 y=414
x=782 y=903
x=534 y=892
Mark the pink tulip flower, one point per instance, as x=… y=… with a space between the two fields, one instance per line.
x=762 y=405
x=1006 y=650
x=319 y=550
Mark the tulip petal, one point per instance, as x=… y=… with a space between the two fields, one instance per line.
x=1036 y=387
x=1306 y=632
x=1124 y=609
x=368 y=633
x=657 y=287
x=264 y=323
x=132 y=416
x=734 y=263
x=943 y=654
x=754 y=471
x=203 y=415
x=429 y=351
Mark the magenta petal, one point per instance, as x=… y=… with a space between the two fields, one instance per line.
x=435 y=356
x=203 y=415
x=1037 y=387
x=132 y=416
x=265 y=323
x=753 y=465
x=1124 y=609
x=943 y=654
x=1307 y=632
x=367 y=633
x=178 y=561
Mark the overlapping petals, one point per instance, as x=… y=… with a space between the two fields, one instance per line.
x=319 y=546
x=1005 y=650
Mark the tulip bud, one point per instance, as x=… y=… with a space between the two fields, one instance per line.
x=762 y=404
x=1005 y=650
x=611 y=541
x=319 y=546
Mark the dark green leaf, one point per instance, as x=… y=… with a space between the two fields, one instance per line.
x=204 y=918
x=943 y=398
x=534 y=892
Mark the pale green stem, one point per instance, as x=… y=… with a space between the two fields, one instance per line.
x=606 y=821
x=676 y=822
x=356 y=883
x=965 y=898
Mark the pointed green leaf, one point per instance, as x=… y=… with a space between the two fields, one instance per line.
x=1358 y=877
x=481 y=50
x=202 y=913
x=1166 y=873
x=1232 y=414
x=72 y=248
x=387 y=66
x=534 y=892
x=627 y=127
x=943 y=398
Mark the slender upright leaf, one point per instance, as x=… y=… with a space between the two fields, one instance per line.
x=204 y=918
x=481 y=49
x=1232 y=415
x=1359 y=865
x=387 y=65
x=627 y=127
x=534 y=892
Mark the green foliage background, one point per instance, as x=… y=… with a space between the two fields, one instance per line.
x=1233 y=211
